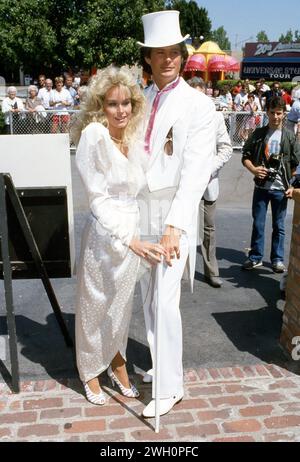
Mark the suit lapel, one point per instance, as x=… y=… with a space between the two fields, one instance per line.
x=168 y=113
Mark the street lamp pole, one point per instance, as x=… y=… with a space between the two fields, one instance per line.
x=241 y=41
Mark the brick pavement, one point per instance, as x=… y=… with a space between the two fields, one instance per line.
x=253 y=403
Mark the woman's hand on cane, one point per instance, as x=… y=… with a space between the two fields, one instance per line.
x=150 y=251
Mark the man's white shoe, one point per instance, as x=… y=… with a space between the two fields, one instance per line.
x=148 y=377
x=165 y=405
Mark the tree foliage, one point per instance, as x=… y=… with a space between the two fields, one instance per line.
x=262 y=37
x=287 y=38
x=297 y=36
x=193 y=20
x=106 y=32
x=220 y=37
x=26 y=35
x=51 y=35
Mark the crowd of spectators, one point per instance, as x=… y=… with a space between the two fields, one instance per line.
x=44 y=104
x=49 y=104
x=236 y=98
x=245 y=97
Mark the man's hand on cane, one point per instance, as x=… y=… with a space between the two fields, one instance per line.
x=170 y=242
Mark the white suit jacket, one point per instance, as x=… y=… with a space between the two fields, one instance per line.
x=190 y=114
x=223 y=153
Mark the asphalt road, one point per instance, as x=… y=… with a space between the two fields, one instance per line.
x=238 y=324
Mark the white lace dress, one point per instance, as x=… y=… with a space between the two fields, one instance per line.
x=107 y=270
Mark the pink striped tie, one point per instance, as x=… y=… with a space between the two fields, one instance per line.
x=154 y=111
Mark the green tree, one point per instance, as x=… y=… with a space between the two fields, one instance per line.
x=106 y=32
x=27 y=39
x=220 y=37
x=59 y=13
x=52 y=36
x=287 y=38
x=297 y=36
x=193 y=20
x=262 y=37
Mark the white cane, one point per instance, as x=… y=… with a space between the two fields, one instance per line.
x=159 y=275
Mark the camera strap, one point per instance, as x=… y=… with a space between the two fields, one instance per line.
x=267 y=151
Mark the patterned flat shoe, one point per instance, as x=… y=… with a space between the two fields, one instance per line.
x=95 y=398
x=129 y=392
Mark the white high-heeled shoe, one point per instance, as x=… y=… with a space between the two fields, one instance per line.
x=129 y=392
x=95 y=398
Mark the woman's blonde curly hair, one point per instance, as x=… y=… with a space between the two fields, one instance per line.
x=91 y=109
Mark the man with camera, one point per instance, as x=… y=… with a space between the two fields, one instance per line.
x=272 y=155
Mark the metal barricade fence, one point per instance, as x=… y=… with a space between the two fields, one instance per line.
x=239 y=124
x=47 y=121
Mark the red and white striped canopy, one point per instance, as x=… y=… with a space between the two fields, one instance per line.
x=217 y=63
x=195 y=63
x=225 y=63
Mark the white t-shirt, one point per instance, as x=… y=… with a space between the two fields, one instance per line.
x=272 y=150
x=57 y=97
x=240 y=100
x=44 y=95
x=8 y=104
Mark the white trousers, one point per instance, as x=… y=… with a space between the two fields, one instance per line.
x=170 y=328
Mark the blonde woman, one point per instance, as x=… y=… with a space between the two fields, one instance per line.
x=108 y=161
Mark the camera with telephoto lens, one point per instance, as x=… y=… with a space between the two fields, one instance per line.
x=273 y=167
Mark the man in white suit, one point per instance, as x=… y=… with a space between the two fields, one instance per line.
x=223 y=153
x=179 y=145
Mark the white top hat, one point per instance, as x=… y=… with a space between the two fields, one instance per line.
x=162 y=29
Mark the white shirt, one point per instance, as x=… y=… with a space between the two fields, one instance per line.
x=57 y=97
x=8 y=104
x=44 y=95
x=240 y=100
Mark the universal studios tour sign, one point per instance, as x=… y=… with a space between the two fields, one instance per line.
x=272 y=61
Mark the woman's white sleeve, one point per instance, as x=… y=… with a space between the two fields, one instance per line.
x=93 y=165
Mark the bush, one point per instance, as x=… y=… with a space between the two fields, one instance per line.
x=288 y=85
x=230 y=83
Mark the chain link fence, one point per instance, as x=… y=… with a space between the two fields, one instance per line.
x=47 y=121
x=239 y=124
